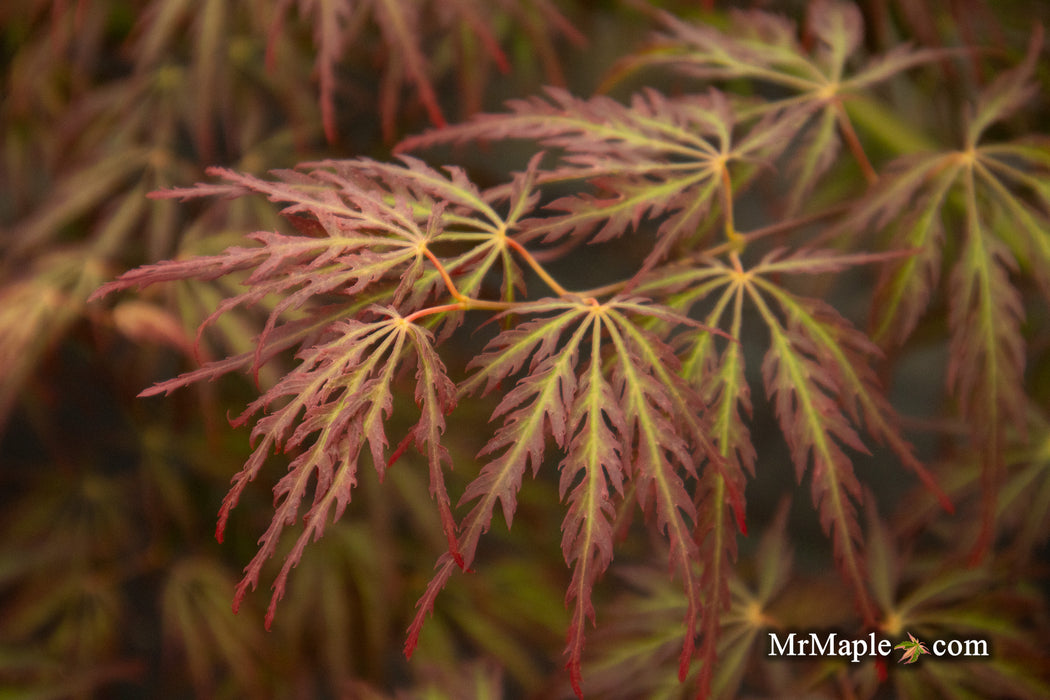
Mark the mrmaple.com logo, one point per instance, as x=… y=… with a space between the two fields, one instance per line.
x=802 y=644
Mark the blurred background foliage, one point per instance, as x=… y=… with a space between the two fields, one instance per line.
x=111 y=584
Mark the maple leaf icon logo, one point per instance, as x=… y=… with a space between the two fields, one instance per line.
x=913 y=649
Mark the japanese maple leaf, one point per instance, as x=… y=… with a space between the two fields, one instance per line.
x=913 y=649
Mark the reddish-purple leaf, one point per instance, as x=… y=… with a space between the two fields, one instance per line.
x=593 y=461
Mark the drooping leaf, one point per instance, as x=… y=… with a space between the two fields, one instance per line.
x=537 y=407
x=986 y=369
x=662 y=455
x=846 y=356
x=334 y=403
x=978 y=187
x=816 y=432
x=722 y=379
x=593 y=461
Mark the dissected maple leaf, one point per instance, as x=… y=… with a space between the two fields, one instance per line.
x=768 y=48
x=643 y=403
x=594 y=456
x=913 y=649
x=817 y=374
x=725 y=389
x=983 y=185
x=366 y=231
x=658 y=158
x=657 y=440
x=537 y=407
x=335 y=402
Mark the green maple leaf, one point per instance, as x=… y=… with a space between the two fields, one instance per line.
x=913 y=649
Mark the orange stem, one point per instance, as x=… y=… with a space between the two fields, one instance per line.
x=532 y=262
x=411 y=318
x=445 y=276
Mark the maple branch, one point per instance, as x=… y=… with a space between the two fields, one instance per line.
x=854 y=144
x=449 y=284
x=537 y=268
x=463 y=302
x=411 y=318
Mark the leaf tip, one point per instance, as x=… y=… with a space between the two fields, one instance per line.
x=575 y=677
x=686 y=659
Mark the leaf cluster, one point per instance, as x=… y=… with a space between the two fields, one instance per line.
x=786 y=263
x=105 y=583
